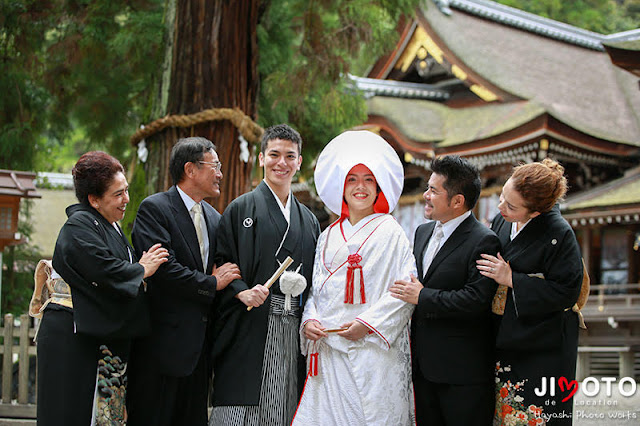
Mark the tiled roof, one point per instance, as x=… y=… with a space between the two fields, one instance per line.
x=18 y=183
x=533 y=23
x=400 y=89
x=578 y=86
x=426 y=121
x=623 y=191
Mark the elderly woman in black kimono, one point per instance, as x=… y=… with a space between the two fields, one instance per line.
x=540 y=274
x=97 y=305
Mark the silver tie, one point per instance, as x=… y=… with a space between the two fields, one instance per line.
x=198 y=222
x=432 y=248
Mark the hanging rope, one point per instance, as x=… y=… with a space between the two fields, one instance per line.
x=248 y=128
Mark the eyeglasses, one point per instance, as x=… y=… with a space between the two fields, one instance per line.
x=217 y=166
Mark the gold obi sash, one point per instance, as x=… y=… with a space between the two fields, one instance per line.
x=48 y=290
x=500 y=298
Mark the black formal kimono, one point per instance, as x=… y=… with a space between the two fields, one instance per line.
x=251 y=232
x=109 y=308
x=537 y=336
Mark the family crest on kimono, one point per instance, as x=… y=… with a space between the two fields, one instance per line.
x=354 y=333
x=258 y=368
x=540 y=273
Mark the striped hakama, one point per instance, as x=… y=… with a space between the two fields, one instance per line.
x=279 y=388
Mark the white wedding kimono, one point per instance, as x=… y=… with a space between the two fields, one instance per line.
x=366 y=382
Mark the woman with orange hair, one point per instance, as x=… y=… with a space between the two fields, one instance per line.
x=540 y=274
x=355 y=335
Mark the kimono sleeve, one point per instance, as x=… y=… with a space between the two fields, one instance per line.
x=228 y=246
x=85 y=251
x=560 y=287
x=310 y=312
x=388 y=317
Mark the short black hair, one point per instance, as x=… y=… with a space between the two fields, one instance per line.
x=461 y=177
x=280 y=131
x=187 y=150
x=93 y=173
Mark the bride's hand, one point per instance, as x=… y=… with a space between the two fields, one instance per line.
x=356 y=330
x=313 y=330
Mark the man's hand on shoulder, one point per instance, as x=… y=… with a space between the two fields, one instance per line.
x=225 y=274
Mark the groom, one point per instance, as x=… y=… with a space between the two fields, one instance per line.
x=451 y=338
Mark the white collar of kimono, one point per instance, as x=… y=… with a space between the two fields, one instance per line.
x=350 y=229
x=286 y=209
x=514 y=229
x=116 y=228
x=349 y=149
x=115 y=225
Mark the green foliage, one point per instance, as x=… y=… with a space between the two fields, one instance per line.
x=55 y=157
x=630 y=14
x=307 y=48
x=23 y=99
x=69 y=68
x=137 y=193
x=102 y=59
x=88 y=67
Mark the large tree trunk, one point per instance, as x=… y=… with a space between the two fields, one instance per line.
x=210 y=62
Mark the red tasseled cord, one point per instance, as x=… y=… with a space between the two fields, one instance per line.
x=354 y=264
x=313 y=364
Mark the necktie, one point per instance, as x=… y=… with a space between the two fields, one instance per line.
x=198 y=222
x=432 y=248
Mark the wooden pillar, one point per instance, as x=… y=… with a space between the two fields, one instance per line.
x=1 y=268
x=586 y=248
x=633 y=275
x=7 y=360
x=626 y=364
x=583 y=368
x=23 y=361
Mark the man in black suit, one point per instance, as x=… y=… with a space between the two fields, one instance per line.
x=170 y=369
x=451 y=334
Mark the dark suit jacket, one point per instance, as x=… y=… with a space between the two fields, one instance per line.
x=452 y=341
x=106 y=287
x=180 y=292
x=547 y=276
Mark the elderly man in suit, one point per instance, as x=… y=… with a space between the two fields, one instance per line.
x=451 y=332
x=170 y=369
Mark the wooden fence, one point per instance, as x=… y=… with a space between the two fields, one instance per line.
x=17 y=341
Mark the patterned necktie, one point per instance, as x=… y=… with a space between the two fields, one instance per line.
x=198 y=221
x=432 y=248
